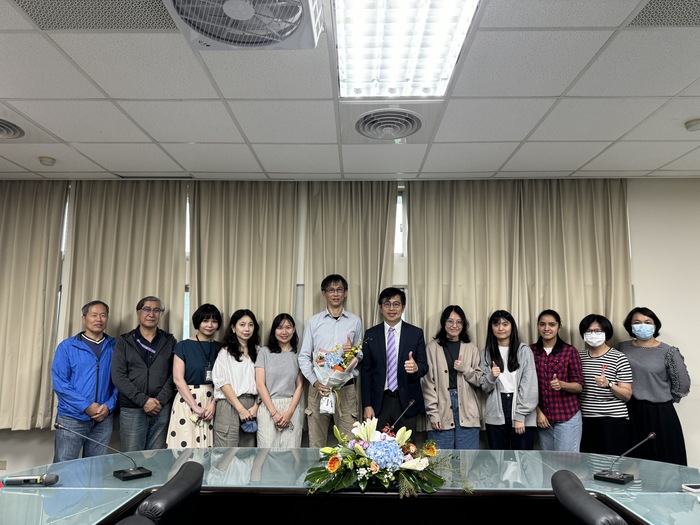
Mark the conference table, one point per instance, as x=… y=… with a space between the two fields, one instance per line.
x=515 y=482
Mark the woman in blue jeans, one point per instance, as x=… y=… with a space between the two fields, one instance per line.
x=560 y=380
x=451 y=388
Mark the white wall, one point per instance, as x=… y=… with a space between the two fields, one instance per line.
x=664 y=226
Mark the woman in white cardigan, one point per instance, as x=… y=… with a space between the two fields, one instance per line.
x=451 y=388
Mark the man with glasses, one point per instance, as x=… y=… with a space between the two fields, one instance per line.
x=323 y=331
x=86 y=395
x=394 y=362
x=142 y=371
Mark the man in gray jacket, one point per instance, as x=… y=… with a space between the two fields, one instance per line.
x=142 y=371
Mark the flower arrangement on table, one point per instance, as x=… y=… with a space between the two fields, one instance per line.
x=333 y=368
x=383 y=457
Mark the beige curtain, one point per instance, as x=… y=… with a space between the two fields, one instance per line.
x=126 y=241
x=244 y=247
x=523 y=246
x=350 y=231
x=31 y=221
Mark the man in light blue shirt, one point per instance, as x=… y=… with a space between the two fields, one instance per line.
x=323 y=331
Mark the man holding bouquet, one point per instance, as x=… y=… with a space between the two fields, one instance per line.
x=325 y=332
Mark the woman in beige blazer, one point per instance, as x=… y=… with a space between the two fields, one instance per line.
x=451 y=388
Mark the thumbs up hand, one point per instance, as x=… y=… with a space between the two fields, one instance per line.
x=347 y=346
x=495 y=370
x=410 y=365
x=555 y=383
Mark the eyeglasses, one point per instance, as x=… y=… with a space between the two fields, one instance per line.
x=389 y=304
x=154 y=311
x=334 y=290
x=589 y=332
x=453 y=322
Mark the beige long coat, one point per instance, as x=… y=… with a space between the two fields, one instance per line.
x=436 y=382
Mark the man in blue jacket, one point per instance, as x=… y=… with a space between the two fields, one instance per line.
x=82 y=380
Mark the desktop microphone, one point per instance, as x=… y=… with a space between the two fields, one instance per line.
x=620 y=477
x=125 y=474
x=46 y=480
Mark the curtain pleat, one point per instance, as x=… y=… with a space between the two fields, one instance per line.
x=31 y=221
x=522 y=246
x=126 y=241
x=350 y=231
x=244 y=246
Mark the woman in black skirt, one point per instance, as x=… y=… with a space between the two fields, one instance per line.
x=661 y=379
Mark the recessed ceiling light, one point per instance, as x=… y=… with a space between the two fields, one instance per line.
x=410 y=46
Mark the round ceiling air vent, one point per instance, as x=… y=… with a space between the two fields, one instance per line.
x=388 y=124
x=8 y=130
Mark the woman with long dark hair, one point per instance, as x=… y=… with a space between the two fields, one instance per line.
x=280 y=386
x=452 y=388
x=234 y=379
x=560 y=381
x=510 y=382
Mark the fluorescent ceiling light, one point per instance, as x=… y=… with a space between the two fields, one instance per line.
x=399 y=48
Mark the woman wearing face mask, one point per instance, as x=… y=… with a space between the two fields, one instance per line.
x=607 y=386
x=660 y=379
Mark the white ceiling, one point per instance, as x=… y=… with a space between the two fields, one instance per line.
x=543 y=88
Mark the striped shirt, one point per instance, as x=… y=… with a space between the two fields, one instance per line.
x=598 y=401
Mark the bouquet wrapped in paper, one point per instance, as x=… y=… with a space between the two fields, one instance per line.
x=333 y=369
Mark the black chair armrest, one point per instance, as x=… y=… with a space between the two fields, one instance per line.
x=178 y=491
x=580 y=503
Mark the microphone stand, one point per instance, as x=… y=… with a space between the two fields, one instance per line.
x=126 y=474
x=390 y=430
x=620 y=478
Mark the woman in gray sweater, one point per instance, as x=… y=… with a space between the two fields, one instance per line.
x=661 y=379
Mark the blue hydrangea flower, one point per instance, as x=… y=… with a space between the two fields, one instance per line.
x=386 y=454
x=332 y=359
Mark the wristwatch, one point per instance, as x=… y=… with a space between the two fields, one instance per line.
x=611 y=384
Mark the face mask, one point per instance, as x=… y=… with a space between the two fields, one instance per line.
x=643 y=331
x=594 y=340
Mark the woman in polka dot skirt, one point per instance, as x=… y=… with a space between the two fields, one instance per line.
x=192 y=417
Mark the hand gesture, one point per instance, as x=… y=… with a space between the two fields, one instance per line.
x=555 y=383
x=347 y=346
x=410 y=365
x=495 y=370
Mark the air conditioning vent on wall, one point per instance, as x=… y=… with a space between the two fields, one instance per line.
x=248 y=24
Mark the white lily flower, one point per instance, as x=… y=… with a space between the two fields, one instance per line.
x=366 y=430
x=403 y=435
x=415 y=464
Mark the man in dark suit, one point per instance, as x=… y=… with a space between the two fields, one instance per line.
x=386 y=395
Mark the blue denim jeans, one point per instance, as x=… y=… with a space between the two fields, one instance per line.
x=67 y=445
x=464 y=438
x=139 y=431
x=562 y=437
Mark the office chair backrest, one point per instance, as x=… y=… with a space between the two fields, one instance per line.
x=167 y=502
x=580 y=503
